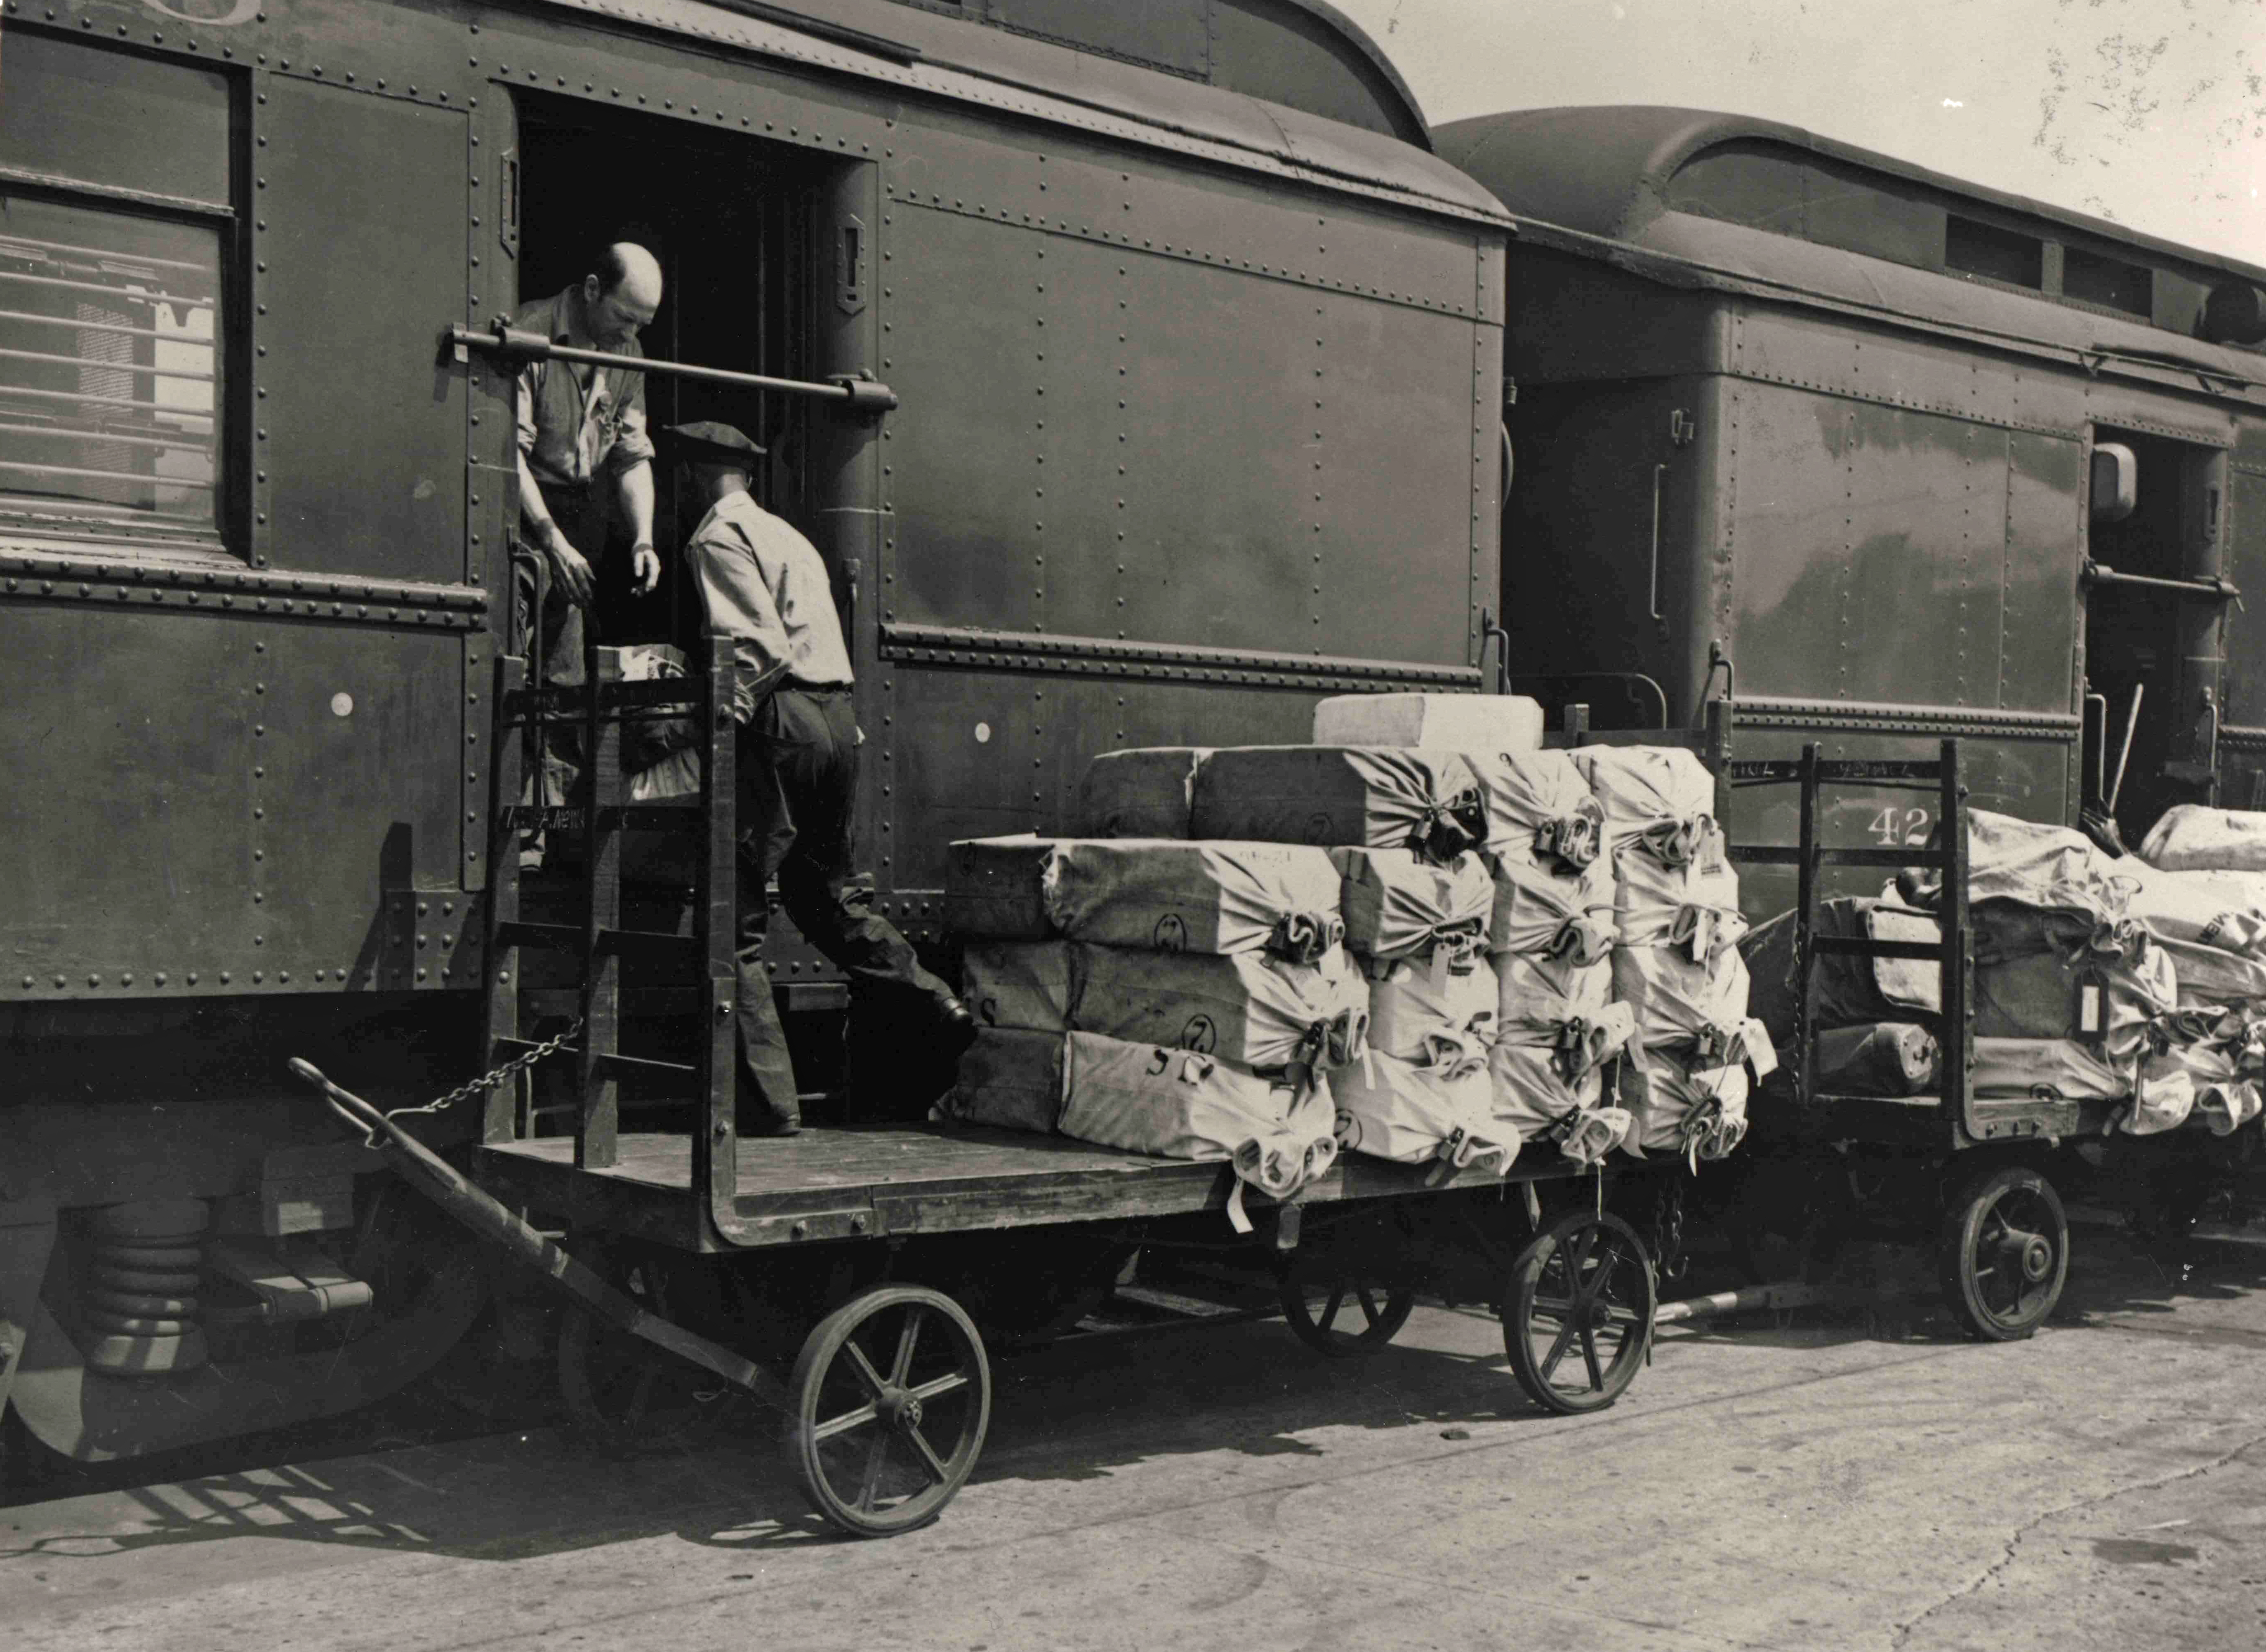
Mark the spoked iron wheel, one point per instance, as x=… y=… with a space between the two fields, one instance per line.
x=891 y=1397
x=2004 y=1254
x=621 y=1389
x=1343 y=1307
x=1578 y=1315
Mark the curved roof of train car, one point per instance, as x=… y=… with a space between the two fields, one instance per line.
x=914 y=49
x=1602 y=172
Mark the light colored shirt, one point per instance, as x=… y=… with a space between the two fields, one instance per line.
x=766 y=588
x=577 y=421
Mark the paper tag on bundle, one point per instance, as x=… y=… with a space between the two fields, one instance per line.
x=1166 y=896
x=1250 y=1008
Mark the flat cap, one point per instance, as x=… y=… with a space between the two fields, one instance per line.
x=708 y=442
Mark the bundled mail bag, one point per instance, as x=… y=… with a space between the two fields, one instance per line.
x=2164 y=1090
x=1439 y=1108
x=995 y=888
x=1010 y=1080
x=1656 y=792
x=1539 y=909
x=1550 y=1087
x=2208 y=978
x=2045 y=868
x=1677 y=890
x=1413 y=1000
x=2190 y=837
x=1176 y=895
x=1695 y=1113
x=1142 y=792
x=1845 y=991
x=1030 y=984
x=1250 y=1008
x=1539 y=810
x=1544 y=993
x=1181 y=1104
x=1887 y=1058
x=1373 y=797
x=2062 y=1069
x=1398 y=906
x=2223 y=910
x=2059 y=974
x=1679 y=999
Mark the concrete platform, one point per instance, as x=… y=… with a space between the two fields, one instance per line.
x=1837 y=1480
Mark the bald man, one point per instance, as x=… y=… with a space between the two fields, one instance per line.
x=585 y=466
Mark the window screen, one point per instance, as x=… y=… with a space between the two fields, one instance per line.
x=110 y=377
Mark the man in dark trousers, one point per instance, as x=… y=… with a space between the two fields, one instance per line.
x=765 y=587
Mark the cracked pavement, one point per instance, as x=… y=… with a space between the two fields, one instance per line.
x=1826 y=1483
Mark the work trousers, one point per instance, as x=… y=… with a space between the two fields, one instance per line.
x=798 y=783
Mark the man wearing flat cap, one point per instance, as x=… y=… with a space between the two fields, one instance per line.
x=765 y=587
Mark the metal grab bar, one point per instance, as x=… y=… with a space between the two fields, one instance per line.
x=863 y=395
x=2208 y=588
x=1659 y=476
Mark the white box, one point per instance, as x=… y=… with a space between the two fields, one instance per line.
x=1447 y=722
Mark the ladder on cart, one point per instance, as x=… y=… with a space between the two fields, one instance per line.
x=1952 y=952
x=698 y=952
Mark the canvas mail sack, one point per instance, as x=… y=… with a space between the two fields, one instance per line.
x=1009 y=1079
x=1029 y=984
x=1397 y=906
x=1538 y=909
x=1438 y=1108
x=1248 y=1008
x=1543 y=993
x=1141 y=792
x=1181 y=1104
x=1166 y=896
x=1540 y=812
x=1677 y=1000
x=2223 y=910
x=1658 y=794
x=1549 y=1085
x=1413 y=1000
x=1373 y=797
x=995 y=888
x=2189 y=837
x=1697 y=1112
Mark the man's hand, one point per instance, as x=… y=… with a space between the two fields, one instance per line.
x=573 y=573
x=644 y=567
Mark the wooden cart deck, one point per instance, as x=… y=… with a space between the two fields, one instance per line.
x=859 y=1183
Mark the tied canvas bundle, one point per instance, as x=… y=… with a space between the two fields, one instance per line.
x=1144 y=793
x=1537 y=908
x=1697 y=1112
x=1413 y=1000
x=1542 y=994
x=1548 y=1083
x=2061 y=974
x=2218 y=1054
x=1030 y=984
x=2208 y=978
x=2189 y=837
x=1278 y=1135
x=995 y=888
x=1399 y=907
x=1679 y=891
x=1010 y=1080
x=1373 y=797
x=2223 y=910
x=1678 y=1001
x=1658 y=794
x=1438 y=1108
x=1256 y=1010
x=2060 y=1067
x=1195 y=896
x=1884 y=1058
x=1541 y=812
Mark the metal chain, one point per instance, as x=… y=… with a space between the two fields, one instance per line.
x=489 y=1080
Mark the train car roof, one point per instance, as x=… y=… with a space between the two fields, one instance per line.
x=1285 y=87
x=1761 y=204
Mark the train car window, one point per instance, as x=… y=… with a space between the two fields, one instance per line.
x=113 y=196
x=2109 y=282
x=1975 y=248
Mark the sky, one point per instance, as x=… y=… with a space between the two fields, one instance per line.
x=2149 y=113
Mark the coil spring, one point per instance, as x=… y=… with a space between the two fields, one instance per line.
x=143 y=1276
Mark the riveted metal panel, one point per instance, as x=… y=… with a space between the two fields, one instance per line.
x=358 y=426
x=2044 y=542
x=128 y=831
x=1392 y=513
x=357 y=790
x=1790 y=533
x=1900 y=631
x=1168 y=35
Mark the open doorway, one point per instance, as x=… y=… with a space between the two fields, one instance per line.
x=733 y=220
x=2152 y=626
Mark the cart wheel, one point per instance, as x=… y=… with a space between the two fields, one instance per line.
x=1320 y=1292
x=621 y=1389
x=891 y=1397
x=2004 y=1254
x=1578 y=1319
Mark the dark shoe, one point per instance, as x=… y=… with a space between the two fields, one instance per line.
x=770 y=1124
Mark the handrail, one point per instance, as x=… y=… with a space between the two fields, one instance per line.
x=863 y=395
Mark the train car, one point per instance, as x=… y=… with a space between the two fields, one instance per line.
x=1880 y=456
x=1116 y=359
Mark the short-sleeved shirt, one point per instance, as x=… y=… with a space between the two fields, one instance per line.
x=573 y=428
x=766 y=588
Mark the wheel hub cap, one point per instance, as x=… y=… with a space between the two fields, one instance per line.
x=2030 y=1253
x=899 y=1408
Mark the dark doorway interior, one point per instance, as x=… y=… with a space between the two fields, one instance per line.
x=731 y=218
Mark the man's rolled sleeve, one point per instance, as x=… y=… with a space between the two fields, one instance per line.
x=531 y=391
x=633 y=444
